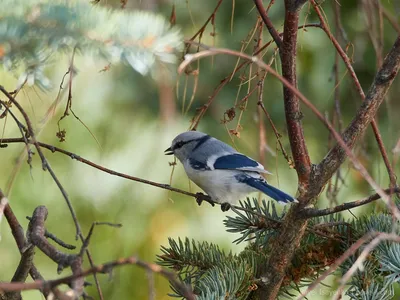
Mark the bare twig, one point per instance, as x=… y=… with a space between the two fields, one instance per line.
x=201 y=30
x=358 y=264
x=337 y=263
x=392 y=20
x=51 y=236
x=268 y=23
x=99 y=167
x=312 y=212
x=202 y=110
x=46 y=166
x=87 y=240
x=20 y=275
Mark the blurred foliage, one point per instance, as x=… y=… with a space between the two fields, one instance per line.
x=32 y=31
x=134 y=118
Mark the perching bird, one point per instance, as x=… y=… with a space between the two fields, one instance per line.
x=223 y=173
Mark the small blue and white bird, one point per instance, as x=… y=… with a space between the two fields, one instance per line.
x=223 y=173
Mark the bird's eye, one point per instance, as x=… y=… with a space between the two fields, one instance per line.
x=179 y=145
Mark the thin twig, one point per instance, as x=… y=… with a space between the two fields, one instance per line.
x=201 y=30
x=20 y=275
x=312 y=212
x=358 y=264
x=268 y=23
x=45 y=164
x=350 y=251
x=202 y=110
x=51 y=236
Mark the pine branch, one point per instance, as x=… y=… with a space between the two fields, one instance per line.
x=215 y=275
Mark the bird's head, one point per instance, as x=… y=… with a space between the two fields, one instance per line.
x=184 y=144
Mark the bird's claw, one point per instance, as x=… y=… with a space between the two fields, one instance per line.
x=200 y=197
x=225 y=206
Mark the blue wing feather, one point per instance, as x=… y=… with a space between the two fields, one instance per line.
x=261 y=185
x=238 y=161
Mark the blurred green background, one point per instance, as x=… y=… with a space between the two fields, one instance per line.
x=134 y=119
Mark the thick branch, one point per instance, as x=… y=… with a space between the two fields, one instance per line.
x=288 y=53
x=365 y=114
x=273 y=273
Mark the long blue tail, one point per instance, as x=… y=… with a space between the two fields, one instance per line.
x=263 y=186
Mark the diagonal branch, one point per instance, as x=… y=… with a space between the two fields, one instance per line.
x=374 y=98
x=274 y=33
x=357 y=84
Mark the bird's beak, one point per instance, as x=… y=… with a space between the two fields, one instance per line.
x=169 y=151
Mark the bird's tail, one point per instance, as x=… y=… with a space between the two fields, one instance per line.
x=269 y=190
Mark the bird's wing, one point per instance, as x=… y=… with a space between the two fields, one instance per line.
x=235 y=161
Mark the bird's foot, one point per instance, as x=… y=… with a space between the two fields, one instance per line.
x=225 y=206
x=200 y=197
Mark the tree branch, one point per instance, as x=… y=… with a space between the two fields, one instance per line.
x=20 y=275
x=103 y=268
x=275 y=35
x=357 y=84
x=36 y=236
x=18 y=233
x=374 y=98
x=288 y=54
x=46 y=166
x=312 y=212
x=314 y=189
x=349 y=252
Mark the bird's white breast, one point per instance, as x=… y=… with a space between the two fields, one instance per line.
x=221 y=185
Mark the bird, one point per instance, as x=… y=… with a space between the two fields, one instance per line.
x=219 y=170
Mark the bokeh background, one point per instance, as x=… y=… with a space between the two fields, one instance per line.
x=132 y=120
